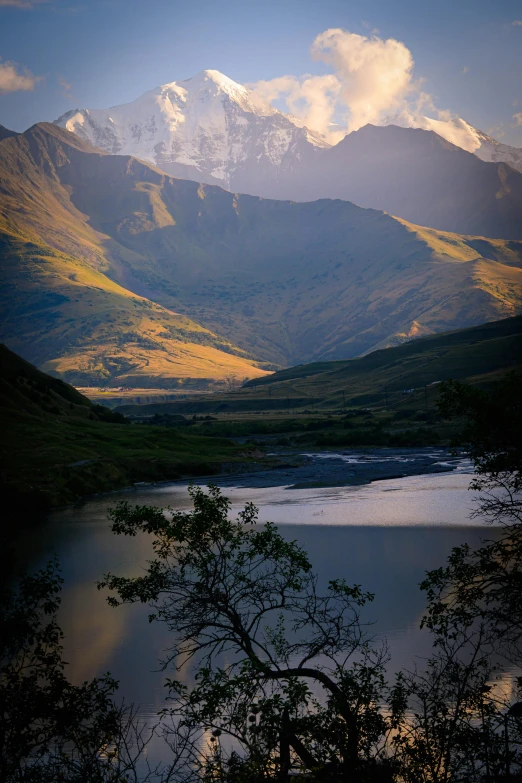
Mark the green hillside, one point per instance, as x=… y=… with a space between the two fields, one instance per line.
x=117 y=274
x=405 y=375
x=57 y=446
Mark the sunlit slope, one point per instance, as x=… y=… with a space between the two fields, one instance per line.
x=73 y=321
x=286 y=282
x=61 y=311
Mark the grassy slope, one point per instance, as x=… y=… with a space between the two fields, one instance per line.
x=478 y=354
x=76 y=322
x=48 y=428
x=285 y=282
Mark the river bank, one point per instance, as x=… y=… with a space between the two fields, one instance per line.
x=301 y=470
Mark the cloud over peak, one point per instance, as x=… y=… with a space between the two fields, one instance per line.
x=371 y=82
x=370 y=76
x=374 y=74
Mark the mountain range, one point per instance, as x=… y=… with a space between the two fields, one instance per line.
x=117 y=273
x=211 y=129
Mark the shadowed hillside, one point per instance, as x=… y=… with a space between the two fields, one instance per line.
x=5 y=133
x=58 y=446
x=415 y=174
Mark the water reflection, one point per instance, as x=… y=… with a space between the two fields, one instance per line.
x=383 y=536
x=428 y=500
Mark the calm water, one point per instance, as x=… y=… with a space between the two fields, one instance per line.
x=383 y=536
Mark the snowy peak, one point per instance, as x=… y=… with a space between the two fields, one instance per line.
x=494 y=151
x=207 y=128
x=210 y=85
x=218 y=79
x=213 y=83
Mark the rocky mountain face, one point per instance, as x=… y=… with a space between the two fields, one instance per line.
x=208 y=128
x=115 y=270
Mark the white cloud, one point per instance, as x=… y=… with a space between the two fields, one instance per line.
x=371 y=76
x=14 y=80
x=311 y=100
x=518 y=117
x=517 y=23
x=453 y=129
x=374 y=74
x=371 y=81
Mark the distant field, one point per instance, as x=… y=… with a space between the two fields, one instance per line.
x=387 y=398
x=406 y=375
x=113 y=397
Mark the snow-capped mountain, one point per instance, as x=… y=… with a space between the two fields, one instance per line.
x=207 y=128
x=214 y=130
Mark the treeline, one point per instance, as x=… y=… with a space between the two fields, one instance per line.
x=343 y=429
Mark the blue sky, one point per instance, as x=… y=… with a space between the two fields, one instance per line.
x=99 y=53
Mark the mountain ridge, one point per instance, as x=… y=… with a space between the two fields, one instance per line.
x=416 y=175
x=112 y=267
x=461 y=133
